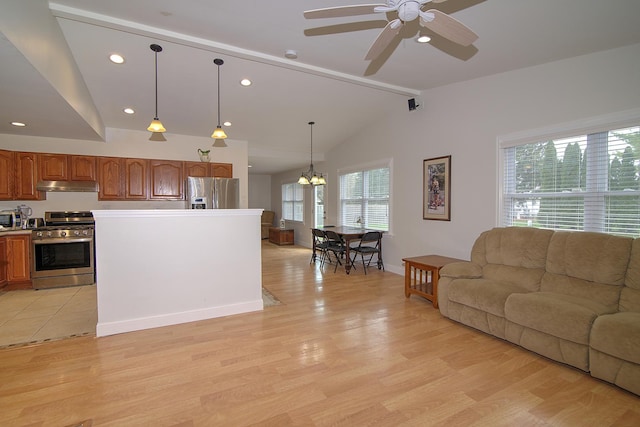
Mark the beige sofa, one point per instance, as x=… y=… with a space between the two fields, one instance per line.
x=573 y=297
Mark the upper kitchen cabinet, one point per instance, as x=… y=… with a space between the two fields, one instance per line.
x=53 y=167
x=199 y=169
x=167 y=180
x=136 y=179
x=63 y=167
x=26 y=177
x=6 y=175
x=222 y=170
x=83 y=168
x=110 y=178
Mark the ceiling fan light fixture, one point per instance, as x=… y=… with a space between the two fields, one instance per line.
x=156 y=124
x=218 y=134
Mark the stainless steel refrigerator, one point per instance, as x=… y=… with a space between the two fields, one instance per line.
x=213 y=193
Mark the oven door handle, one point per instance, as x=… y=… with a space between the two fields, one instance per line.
x=63 y=240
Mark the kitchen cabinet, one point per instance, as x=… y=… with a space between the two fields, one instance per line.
x=167 y=180
x=3 y=263
x=26 y=177
x=82 y=168
x=136 y=181
x=199 y=169
x=53 y=167
x=17 y=261
x=6 y=175
x=110 y=178
x=222 y=170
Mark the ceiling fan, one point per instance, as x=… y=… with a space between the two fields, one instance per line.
x=408 y=10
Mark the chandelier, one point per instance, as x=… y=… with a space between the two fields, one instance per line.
x=310 y=176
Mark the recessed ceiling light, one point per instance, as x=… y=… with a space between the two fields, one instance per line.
x=116 y=59
x=245 y=82
x=129 y=110
x=18 y=124
x=227 y=123
x=423 y=39
x=291 y=54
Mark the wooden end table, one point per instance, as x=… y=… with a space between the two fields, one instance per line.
x=281 y=236
x=421 y=275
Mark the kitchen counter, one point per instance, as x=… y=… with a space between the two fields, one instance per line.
x=4 y=232
x=163 y=267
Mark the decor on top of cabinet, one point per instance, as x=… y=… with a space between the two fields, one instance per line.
x=204 y=155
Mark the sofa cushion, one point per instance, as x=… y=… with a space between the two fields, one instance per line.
x=618 y=335
x=563 y=316
x=482 y=294
x=587 y=265
x=630 y=295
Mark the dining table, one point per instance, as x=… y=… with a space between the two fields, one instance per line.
x=348 y=234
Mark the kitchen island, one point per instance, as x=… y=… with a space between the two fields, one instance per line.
x=163 y=267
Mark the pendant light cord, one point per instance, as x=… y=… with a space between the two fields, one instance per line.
x=156 y=61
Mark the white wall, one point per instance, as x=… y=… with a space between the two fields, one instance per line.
x=260 y=192
x=465 y=120
x=126 y=143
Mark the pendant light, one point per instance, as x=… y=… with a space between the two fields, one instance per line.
x=156 y=125
x=310 y=176
x=218 y=134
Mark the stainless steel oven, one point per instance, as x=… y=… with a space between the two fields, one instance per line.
x=63 y=251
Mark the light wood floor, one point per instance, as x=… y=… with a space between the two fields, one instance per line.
x=340 y=350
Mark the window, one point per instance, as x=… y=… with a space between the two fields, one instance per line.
x=364 y=198
x=583 y=182
x=319 y=206
x=293 y=202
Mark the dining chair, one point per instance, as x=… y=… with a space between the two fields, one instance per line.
x=321 y=244
x=336 y=246
x=369 y=245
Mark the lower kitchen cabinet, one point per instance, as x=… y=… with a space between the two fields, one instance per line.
x=16 y=261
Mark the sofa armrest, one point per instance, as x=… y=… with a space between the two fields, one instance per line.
x=462 y=270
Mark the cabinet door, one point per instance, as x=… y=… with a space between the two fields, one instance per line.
x=3 y=262
x=54 y=167
x=83 y=168
x=19 y=259
x=26 y=176
x=6 y=175
x=110 y=178
x=199 y=169
x=222 y=170
x=166 y=180
x=136 y=179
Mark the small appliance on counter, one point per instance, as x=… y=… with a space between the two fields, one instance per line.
x=212 y=193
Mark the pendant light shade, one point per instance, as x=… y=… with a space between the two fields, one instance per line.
x=310 y=176
x=218 y=133
x=156 y=125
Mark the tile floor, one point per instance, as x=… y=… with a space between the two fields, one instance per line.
x=34 y=316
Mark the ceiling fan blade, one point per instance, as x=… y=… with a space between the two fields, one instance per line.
x=383 y=39
x=448 y=27
x=339 y=11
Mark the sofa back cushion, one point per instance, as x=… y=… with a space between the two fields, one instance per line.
x=513 y=254
x=587 y=265
x=630 y=295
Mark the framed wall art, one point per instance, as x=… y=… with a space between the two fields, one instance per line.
x=436 y=200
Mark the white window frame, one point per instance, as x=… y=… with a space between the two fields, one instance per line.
x=294 y=202
x=385 y=163
x=593 y=125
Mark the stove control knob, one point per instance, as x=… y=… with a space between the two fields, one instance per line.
x=39 y=233
x=76 y=233
x=85 y=232
x=49 y=234
x=63 y=234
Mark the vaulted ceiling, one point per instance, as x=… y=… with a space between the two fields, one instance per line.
x=329 y=82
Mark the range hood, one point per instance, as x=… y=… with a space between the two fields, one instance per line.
x=68 y=186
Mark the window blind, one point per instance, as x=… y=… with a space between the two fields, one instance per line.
x=293 y=202
x=584 y=182
x=364 y=199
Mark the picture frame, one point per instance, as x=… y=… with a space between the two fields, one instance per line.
x=436 y=188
